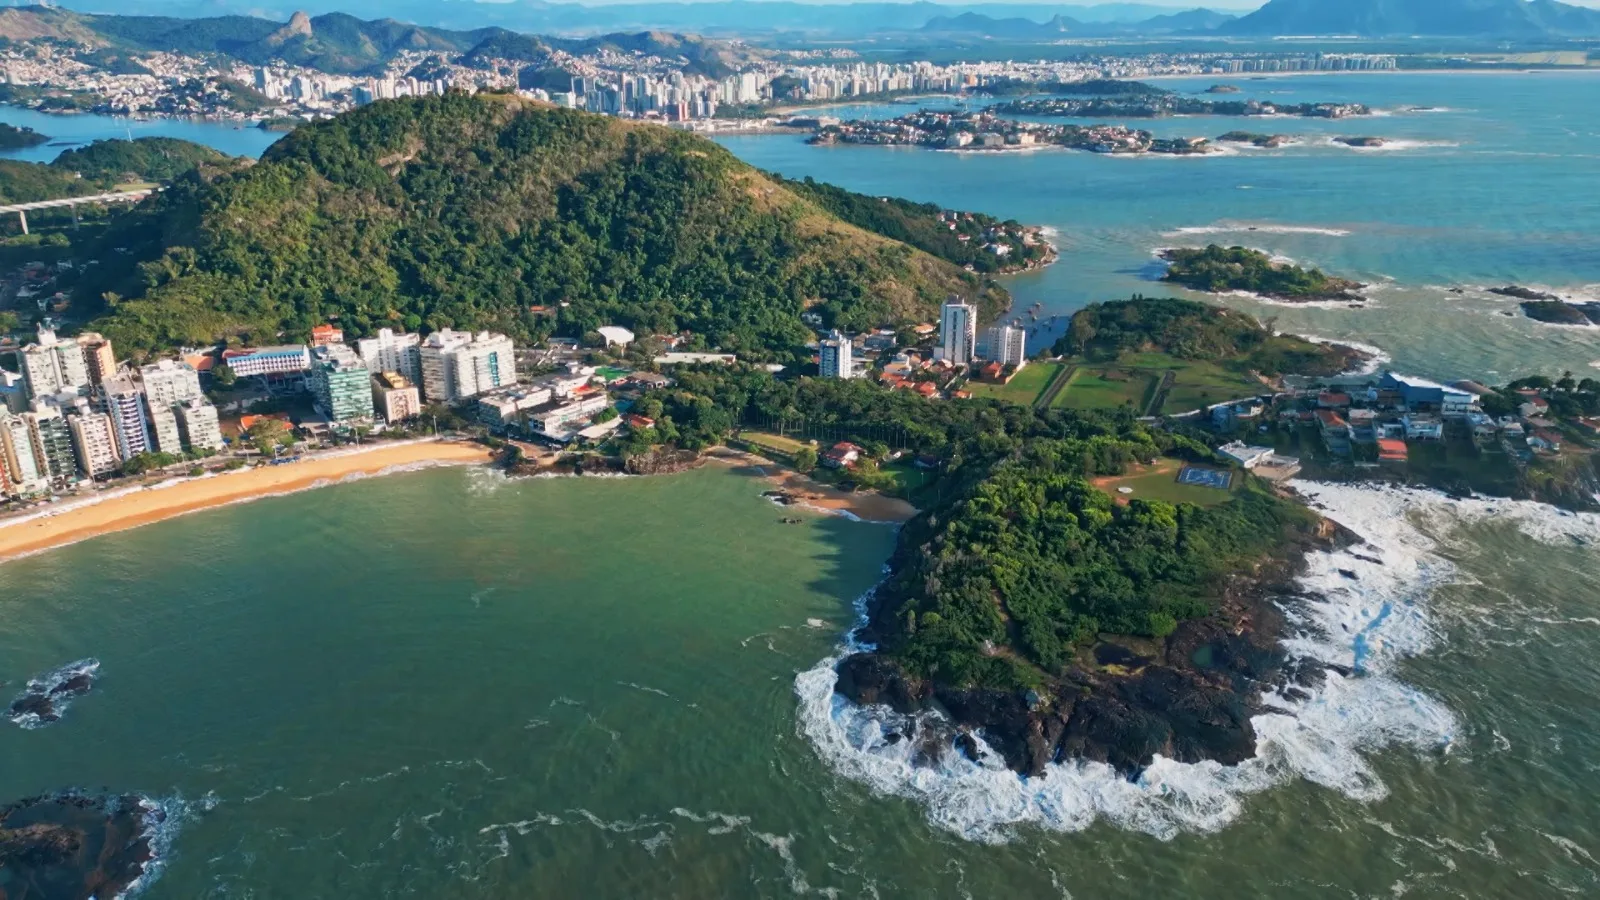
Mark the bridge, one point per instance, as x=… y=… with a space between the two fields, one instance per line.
x=21 y=209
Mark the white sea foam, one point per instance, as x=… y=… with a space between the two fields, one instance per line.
x=1377 y=358
x=1390 y=145
x=1362 y=624
x=1255 y=227
x=46 y=685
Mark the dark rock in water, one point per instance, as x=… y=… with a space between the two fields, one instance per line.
x=1349 y=574
x=1519 y=292
x=1371 y=559
x=869 y=679
x=47 y=696
x=968 y=745
x=893 y=737
x=75 y=847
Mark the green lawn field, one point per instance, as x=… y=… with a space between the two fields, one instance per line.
x=1024 y=389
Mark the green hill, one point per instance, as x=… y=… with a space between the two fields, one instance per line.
x=471 y=211
x=143 y=159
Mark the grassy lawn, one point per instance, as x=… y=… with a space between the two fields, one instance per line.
x=908 y=479
x=1024 y=389
x=1109 y=387
x=784 y=445
x=1197 y=384
x=1160 y=482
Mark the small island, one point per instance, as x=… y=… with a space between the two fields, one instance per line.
x=1560 y=312
x=1362 y=143
x=15 y=138
x=1219 y=270
x=987 y=133
x=1265 y=141
x=1518 y=292
x=1223 y=89
x=1166 y=103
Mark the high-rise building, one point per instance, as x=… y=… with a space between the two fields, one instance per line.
x=98 y=355
x=1006 y=345
x=94 y=440
x=52 y=366
x=390 y=352
x=25 y=472
x=52 y=441
x=165 y=436
x=957 y=330
x=125 y=405
x=170 y=382
x=340 y=384
x=197 y=422
x=837 y=359
x=395 y=397
x=457 y=365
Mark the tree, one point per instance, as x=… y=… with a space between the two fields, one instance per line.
x=9 y=322
x=805 y=459
x=224 y=375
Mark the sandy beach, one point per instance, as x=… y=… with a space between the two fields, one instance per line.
x=869 y=506
x=119 y=509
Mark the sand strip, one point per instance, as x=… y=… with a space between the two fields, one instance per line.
x=120 y=509
x=868 y=506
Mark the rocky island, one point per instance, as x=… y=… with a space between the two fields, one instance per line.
x=1159 y=103
x=1264 y=141
x=14 y=138
x=1362 y=143
x=1560 y=312
x=76 y=846
x=987 y=133
x=1218 y=270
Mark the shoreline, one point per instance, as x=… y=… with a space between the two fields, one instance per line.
x=129 y=508
x=864 y=506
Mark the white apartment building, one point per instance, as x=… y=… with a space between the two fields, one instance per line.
x=125 y=406
x=52 y=442
x=553 y=422
x=395 y=397
x=25 y=472
x=165 y=436
x=283 y=360
x=957 y=332
x=52 y=366
x=837 y=359
x=95 y=442
x=169 y=383
x=197 y=424
x=390 y=352
x=457 y=365
x=1006 y=345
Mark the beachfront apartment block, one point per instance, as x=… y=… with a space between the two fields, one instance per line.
x=1005 y=345
x=287 y=359
x=457 y=365
x=25 y=474
x=395 y=397
x=52 y=366
x=341 y=386
x=837 y=357
x=390 y=352
x=165 y=436
x=125 y=404
x=552 y=422
x=198 y=425
x=504 y=409
x=170 y=382
x=957 y=332
x=94 y=440
x=52 y=442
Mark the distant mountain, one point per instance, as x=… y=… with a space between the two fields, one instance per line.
x=1193 y=20
x=719 y=17
x=340 y=43
x=1445 y=18
x=976 y=25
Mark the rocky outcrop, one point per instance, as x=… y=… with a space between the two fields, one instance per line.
x=75 y=846
x=1189 y=698
x=47 y=696
x=1518 y=292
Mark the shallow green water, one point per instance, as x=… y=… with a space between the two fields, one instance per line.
x=446 y=684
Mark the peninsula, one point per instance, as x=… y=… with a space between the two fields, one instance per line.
x=1152 y=106
x=985 y=132
x=1218 y=270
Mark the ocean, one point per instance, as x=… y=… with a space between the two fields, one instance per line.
x=448 y=683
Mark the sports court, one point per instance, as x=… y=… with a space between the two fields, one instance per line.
x=1202 y=477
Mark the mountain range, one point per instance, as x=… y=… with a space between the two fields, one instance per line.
x=340 y=43
x=1385 y=18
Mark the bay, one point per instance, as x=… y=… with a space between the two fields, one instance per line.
x=449 y=684
x=67 y=130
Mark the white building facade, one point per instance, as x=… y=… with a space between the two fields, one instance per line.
x=957 y=332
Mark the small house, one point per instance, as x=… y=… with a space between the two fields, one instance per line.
x=1392 y=451
x=842 y=455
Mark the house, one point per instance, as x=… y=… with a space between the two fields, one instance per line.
x=1392 y=451
x=615 y=335
x=1590 y=424
x=640 y=423
x=323 y=335
x=1423 y=427
x=842 y=455
x=1226 y=415
x=1333 y=400
x=993 y=372
x=1533 y=409
x=1246 y=456
x=1335 y=430
x=649 y=380
x=1545 y=439
x=1483 y=427
x=928 y=389
x=1363 y=426
x=1422 y=395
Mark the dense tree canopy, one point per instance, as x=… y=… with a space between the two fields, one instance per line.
x=488 y=211
x=1218 y=269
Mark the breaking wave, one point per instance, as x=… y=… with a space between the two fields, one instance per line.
x=45 y=698
x=1257 y=227
x=1366 y=607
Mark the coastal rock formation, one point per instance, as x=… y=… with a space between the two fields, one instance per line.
x=1371 y=143
x=1559 y=312
x=1218 y=270
x=47 y=696
x=75 y=846
x=1518 y=292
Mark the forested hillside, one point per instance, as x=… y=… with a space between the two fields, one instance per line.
x=490 y=211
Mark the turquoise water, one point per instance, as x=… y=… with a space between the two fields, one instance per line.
x=445 y=684
x=1496 y=185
